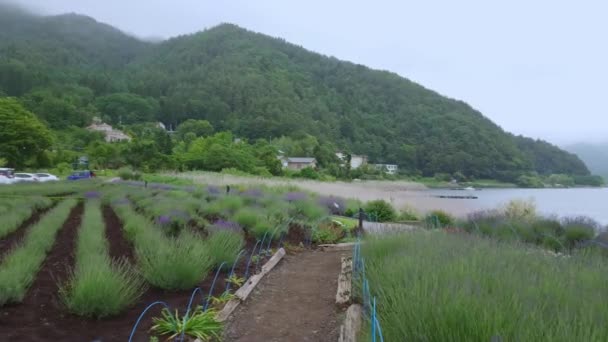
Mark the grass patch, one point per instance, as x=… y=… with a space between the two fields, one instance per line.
x=437 y=286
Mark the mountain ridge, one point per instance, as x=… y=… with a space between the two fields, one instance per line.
x=263 y=87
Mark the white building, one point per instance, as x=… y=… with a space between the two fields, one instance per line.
x=390 y=169
x=111 y=135
x=356 y=161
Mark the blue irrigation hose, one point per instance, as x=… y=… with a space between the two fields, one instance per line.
x=198 y=289
x=250 y=257
x=374 y=321
x=142 y=315
x=263 y=240
x=257 y=262
x=283 y=234
x=271 y=236
x=213 y=285
x=232 y=270
x=379 y=329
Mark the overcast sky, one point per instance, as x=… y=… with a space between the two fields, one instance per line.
x=537 y=68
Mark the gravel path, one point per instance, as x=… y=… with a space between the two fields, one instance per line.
x=295 y=302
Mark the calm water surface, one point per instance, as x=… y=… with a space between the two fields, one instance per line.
x=592 y=202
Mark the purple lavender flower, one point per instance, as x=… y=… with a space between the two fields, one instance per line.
x=253 y=193
x=295 y=196
x=163 y=220
x=214 y=190
x=336 y=205
x=92 y=194
x=220 y=225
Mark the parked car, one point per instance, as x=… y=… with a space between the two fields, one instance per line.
x=46 y=177
x=25 y=177
x=7 y=176
x=76 y=175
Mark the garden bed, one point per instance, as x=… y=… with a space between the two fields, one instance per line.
x=42 y=315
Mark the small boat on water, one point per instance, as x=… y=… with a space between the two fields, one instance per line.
x=457 y=197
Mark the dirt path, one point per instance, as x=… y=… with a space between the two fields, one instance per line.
x=295 y=302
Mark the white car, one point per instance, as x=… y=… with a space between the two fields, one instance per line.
x=46 y=177
x=21 y=177
x=6 y=176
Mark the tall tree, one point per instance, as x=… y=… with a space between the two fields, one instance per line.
x=22 y=135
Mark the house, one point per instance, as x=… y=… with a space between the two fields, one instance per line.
x=356 y=161
x=390 y=169
x=111 y=135
x=298 y=163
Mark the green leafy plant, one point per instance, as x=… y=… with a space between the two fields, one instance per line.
x=198 y=324
x=223 y=298
x=236 y=280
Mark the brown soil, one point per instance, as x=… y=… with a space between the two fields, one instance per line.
x=297 y=234
x=41 y=317
x=28 y=320
x=295 y=302
x=119 y=246
x=8 y=242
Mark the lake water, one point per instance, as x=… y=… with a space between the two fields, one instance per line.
x=591 y=202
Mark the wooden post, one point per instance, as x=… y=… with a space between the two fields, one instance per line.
x=361 y=219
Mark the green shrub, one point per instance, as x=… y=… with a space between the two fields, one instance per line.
x=127 y=173
x=578 y=229
x=263 y=228
x=224 y=246
x=308 y=210
x=308 y=173
x=438 y=219
x=247 y=217
x=327 y=233
x=381 y=211
x=174 y=263
x=408 y=214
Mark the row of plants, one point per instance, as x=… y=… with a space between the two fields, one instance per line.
x=19 y=268
x=15 y=211
x=264 y=213
x=172 y=263
x=432 y=286
x=99 y=286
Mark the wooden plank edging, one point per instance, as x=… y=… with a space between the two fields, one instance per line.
x=352 y=324
x=346 y=246
x=343 y=295
x=245 y=290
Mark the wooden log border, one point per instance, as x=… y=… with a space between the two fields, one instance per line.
x=245 y=290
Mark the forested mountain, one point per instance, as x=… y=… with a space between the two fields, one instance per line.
x=69 y=68
x=594 y=155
